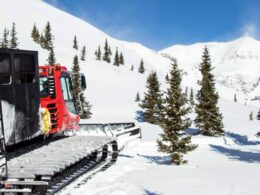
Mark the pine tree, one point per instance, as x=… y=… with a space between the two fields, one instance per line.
x=121 y=59
x=191 y=97
x=98 y=54
x=86 y=107
x=116 y=60
x=51 y=59
x=209 y=118
x=83 y=107
x=14 y=40
x=5 y=40
x=186 y=92
x=76 y=83
x=152 y=103
x=107 y=52
x=42 y=41
x=137 y=98
x=167 y=78
x=47 y=37
x=251 y=116
x=35 y=34
x=235 y=97
x=132 y=68
x=141 y=67
x=83 y=54
x=174 y=140
x=75 y=43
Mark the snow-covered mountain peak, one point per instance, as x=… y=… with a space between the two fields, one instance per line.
x=236 y=62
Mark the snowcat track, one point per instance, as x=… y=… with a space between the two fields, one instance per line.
x=48 y=169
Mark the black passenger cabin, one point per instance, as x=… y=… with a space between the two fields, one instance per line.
x=19 y=94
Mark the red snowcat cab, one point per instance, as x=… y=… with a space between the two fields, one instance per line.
x=56 y=95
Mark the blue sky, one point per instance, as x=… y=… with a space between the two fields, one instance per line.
x=161 y=23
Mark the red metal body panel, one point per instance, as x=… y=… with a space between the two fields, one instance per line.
x=61 y=118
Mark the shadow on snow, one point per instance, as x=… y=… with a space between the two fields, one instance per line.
x=159 y=160
x=241 y=139
x=152 y=193
x=250 y=157
x=193 y=131
x=139 y=116
x=125 y=155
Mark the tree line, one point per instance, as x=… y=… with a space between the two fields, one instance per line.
x=9 y=38
x=118 y=57
x=170 y=109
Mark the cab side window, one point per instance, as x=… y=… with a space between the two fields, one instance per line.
x=24 y=68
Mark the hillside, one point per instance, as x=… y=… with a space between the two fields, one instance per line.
x=236 y=63
x=103 y=95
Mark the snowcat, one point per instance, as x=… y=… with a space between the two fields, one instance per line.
x=37 y=108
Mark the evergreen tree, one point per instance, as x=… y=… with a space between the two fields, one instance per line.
x=191 y=97
x=75 y=43
x=141 y=67
x=235 y=97
x=47 y=37
x=14 y=40
x=98 y=54
x=82 y=105
x=5 y=40
x=137 y=98
x=251 y=116
x=167 y=78
x=186 y=92
x=152 y=103
x=42 y=41
x=76 y=83
x=174 y=140
x=86 y=107
x=83 y=54
x=121 y=59
x=132 y=68
x=209 y=118
x=116 y=60
x=51 y=59
x=35 y=34
x=107 y=52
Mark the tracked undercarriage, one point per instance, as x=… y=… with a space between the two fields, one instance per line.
x=47 y=169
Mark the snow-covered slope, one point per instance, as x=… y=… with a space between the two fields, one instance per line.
x=109 y=88
x=64 y=26
x=236 y=63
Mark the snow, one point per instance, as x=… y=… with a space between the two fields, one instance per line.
x=228 y=165
x=236 y=63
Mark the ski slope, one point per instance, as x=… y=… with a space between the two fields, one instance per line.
x=228 y=165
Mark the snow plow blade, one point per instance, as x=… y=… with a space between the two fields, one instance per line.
x=123 y=132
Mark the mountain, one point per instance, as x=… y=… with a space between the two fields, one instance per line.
x=111 y=90
x=237 y=63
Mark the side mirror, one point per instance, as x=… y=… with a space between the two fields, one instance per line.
x=83 y=82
